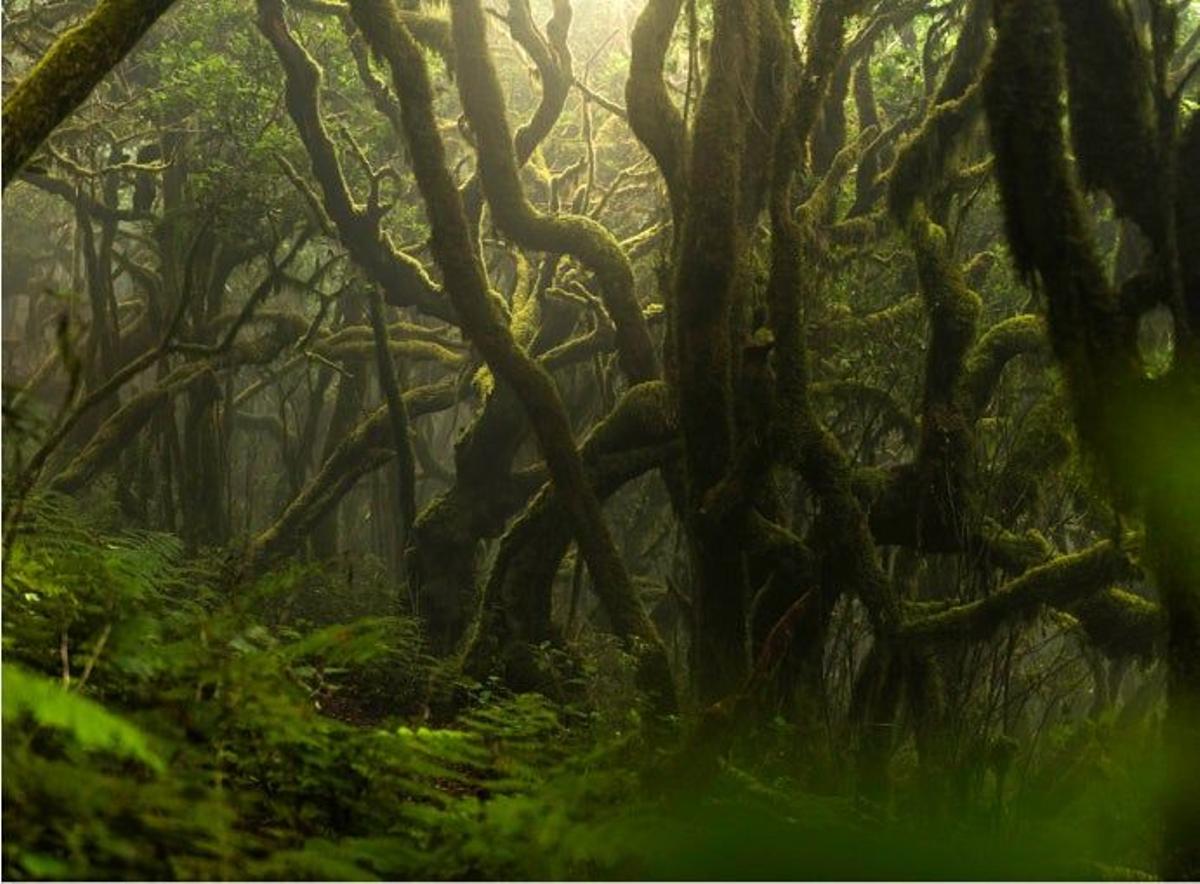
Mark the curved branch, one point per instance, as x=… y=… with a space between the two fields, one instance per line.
x=1000 y=344
x=1121 y=623
x=484 y=105
x=515 y=607
x=553 y=62
x=368 y=447
x=892 y=412
x=113 y=436
x=653 y=117
x=1058 y=583
x=404 y=281
x=480 y=317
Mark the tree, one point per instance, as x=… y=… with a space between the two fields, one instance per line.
x=721 y=391
x=1143 y=431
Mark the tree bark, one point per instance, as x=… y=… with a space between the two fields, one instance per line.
x=69 y=71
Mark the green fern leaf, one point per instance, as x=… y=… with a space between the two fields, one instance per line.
x=93 y=726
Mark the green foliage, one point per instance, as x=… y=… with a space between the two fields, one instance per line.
x=191 y=743
x=213 y=731
x=87 y=722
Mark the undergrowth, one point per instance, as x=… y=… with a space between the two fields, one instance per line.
x=158 y=725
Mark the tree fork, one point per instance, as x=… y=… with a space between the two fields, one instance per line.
x=484 y=324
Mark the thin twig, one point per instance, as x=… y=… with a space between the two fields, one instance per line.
x=95 y=655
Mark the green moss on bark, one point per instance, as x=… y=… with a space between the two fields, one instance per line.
x=480 y=317
x=69 y=71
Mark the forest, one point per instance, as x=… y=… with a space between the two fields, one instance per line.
x=601 y=439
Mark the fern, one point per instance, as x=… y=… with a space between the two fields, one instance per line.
x=89 y=723
x=232 y=690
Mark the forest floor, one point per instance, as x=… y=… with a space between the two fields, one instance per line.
x=156 y=727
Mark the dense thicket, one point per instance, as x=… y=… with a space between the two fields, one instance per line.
x=509 y=441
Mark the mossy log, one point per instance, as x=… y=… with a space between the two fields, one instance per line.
x=114 y=435
x=985 y=363
x=110 y=439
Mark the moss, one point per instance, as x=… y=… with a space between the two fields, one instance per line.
x=1114 y=126
x=821 y=206
x=110 y=440
x=1012 y=553
x=890 y=413
x=404 y=280
x=431 y=32
x=552 y=57
x=922 y=160
x=516 y=601
x=705 y=293
x=365 y=448
x=931 y=501
x=653 y=117
x=355 y=342
x=65 y=76
x=829 y=134
x=953 y=309
x=1058 y=583
x=1047 y=227
x=986 y=361
x=1042 y=445
x=823 y=51
x=484 y=106
x=773 y=85
x=840 y=538
x=1122 y=624
x=858 y=232
x=978 y=267
x=480 y=317
x=406 y=466
x=869 y=483
x=878 y=324
x=868 y=117
x=970 y=51
x=114 y=434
